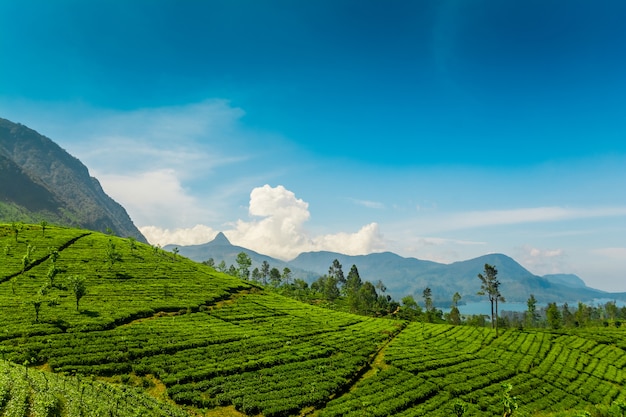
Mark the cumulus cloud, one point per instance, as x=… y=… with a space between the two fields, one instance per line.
x=276 y=228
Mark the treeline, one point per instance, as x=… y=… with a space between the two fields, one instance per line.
x=342 y=292
x=556 y=316
x=352 y=294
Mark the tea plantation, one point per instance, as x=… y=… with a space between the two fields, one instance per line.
x=97 y=325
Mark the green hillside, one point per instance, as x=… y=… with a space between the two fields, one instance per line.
x=213 y=344
x=28 y=392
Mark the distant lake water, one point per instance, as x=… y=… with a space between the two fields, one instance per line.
x=484 y=307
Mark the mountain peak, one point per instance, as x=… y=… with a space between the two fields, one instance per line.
x=221 y=239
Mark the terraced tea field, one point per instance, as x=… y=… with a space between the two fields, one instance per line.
x=213 y=342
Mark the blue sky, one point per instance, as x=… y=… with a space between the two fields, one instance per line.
x=441 y=130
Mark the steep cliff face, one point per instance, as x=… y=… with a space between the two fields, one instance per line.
x=41 y=181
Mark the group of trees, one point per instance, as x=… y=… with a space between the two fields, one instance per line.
x=354 y=294
x=265 y=275
x=556 y=316
x=351 y=293
x=348 y=293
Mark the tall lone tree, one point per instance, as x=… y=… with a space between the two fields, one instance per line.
x=427 y=294
x=490 y=286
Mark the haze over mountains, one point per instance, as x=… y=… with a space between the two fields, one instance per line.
x=41 y=181
x=403 y=276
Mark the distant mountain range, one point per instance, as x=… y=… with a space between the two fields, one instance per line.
x=404 y=276
x=41 y=181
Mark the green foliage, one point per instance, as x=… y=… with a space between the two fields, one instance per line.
x=112 y=254
x=553 y=316
x=78 y=286
x=459 y=408
x=509 y=402
x=243 y=265
x=26 y=393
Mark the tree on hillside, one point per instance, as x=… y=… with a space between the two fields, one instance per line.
x=78 y=285
x=351 y=289
x=37 y=301
x=53 y=271
x=611 y=309
x=490 y=286
x=274 y=277
x=286 y=276
x=335 y=271
x=112 y=255
x=27 y=258
x=427 y=294
x=531 y=313
x=209 y=262
x=327 y=286
x=410 y=309
x=244 y=263
x=568 y=317
x=16 y=228
x=553 y=316
x=583 y=314
x=353 y=282
x=265 y=271
x=222 y=266
x=455 y=314
x=256 y=275
x=43 y=225
x=367 y=297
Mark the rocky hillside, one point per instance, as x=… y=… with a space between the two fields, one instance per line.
x=41 y=181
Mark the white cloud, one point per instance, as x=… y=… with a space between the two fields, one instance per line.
x=276 y=228
x=543 y=261
x=187 y=138
x=279 y=230
x=155 y=197
x=530 y=215
x=190 y=236
x=368 y=203
x=440 y=222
